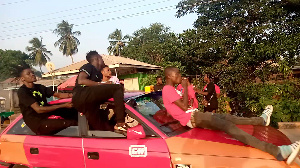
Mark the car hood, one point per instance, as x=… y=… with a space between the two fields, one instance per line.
x=199 y=141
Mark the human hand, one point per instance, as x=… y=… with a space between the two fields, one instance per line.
x=109 y=82
x=68 y=105
x=184 y=83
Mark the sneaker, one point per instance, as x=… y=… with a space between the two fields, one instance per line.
x=295 y=152
x=266 y=115
x=297 y=160
x=121 y=129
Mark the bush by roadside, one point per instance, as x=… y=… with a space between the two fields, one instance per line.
x=284 y=96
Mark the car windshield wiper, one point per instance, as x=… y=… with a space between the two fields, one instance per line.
x=168 y=123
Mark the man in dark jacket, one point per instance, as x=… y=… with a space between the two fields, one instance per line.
x=89 y=93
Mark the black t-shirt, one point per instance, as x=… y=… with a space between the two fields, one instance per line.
x=28 y=96
x=212 y=96
x=158 y=87
x=92 y=72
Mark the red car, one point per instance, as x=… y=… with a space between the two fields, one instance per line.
x=155 y=140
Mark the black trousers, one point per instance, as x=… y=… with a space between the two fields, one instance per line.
x=88 y=99
x=53 y=126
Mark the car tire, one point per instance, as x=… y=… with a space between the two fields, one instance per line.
x=19 y=166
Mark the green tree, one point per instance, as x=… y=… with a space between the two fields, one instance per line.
x=153 y=45
x=38 y=52
x=241 y=39
x=10 y=61
x=68 y=43
x=116 y=42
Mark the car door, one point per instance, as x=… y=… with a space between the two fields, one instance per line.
x=61 y=150
x=115 y=152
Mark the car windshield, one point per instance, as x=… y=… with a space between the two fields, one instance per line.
x=151 y=107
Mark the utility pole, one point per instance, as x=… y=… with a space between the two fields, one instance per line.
x=119 y=48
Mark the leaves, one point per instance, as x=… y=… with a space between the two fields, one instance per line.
x=38 y=52
x=10 y=61
x=68 y=43
x=153 y=45
x=116 y=42
x=240 y=41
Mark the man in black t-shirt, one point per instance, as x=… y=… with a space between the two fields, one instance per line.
x=159 y=84
x=89 y=93
x=36 y=111
x=210 y=97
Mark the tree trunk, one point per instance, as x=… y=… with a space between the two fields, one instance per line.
x=41 y=69
x=72 y=59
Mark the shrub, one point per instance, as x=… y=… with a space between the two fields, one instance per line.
x=283 y=96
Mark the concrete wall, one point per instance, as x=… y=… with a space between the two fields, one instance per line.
x=12 y=104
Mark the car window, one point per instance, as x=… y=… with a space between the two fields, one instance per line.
x=130 y=119
x=152 y=108
x=20 y=128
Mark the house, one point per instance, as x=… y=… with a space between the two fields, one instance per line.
x=132 y=71
x=296 y=71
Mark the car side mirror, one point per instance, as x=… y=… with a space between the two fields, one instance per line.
x=136 y=132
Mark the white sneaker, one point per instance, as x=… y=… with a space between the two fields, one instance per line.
x=297 y=160
x=295 y=152
x=266 y=115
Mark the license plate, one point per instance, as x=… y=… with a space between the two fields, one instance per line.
x=183 y=166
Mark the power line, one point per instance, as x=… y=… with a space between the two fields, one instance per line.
x=16 y=2
x=57 y=12
x=73 y=14
x=33 y=26
x=133 y=15
x=103 y=20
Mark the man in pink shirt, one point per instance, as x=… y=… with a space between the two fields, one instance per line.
x=177 y=107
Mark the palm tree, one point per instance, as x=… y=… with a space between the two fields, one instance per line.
x=38 y=52
x=116 y=42
x=67 y=42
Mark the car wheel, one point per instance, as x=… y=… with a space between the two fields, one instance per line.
x=19 y=166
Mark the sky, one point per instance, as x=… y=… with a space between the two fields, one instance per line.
x=22 y=20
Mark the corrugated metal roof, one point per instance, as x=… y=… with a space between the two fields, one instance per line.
x=110 y=60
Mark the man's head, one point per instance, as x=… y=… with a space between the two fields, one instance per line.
x=173 y=75
x=216 y=79
x=95 y=59
x=26 y=75
x=159 y=80
x=106 y=71
x=122 y=81
x=208 y=77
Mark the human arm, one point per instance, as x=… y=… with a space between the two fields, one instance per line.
x=183 y=103
x=62 y=95
x=86 y=72
x=192 y=95
x=200 y=92
x=49 y=92
x=191 y=102
x=46 y=109
x=83 y=80
x=218 y=91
